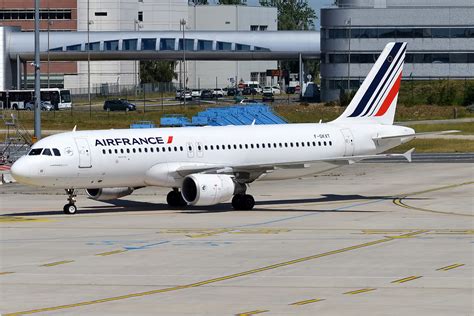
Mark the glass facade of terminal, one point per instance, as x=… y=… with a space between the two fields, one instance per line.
x=435 y=32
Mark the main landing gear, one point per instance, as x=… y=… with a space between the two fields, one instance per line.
x=175 y=199
x=70 y=208
x=243 y=202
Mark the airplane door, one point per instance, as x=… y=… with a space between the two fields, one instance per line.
x=200 y=148
x=349 y=142
x=84 y=153
x=190 y=149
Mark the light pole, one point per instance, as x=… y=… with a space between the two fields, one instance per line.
x=37 y=73
x=89 y=60
x=182 y=22
x=349 y=22
x=136 y=70
x=49 y=25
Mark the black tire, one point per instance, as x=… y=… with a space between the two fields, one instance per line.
x=175 y=200
x=244 y=202
x=70 y=209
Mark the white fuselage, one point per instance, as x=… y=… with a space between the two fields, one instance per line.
x=142 y=157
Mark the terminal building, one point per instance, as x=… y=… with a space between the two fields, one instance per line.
x=440 y=36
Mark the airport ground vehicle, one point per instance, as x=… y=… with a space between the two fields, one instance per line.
x=186 y=95
x=249 y=91
x=119 y=105
x=211 y=165
x=17 y=99
x=45 y=106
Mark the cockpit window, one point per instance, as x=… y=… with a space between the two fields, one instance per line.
x=56 y=152
x=47 y=152
x=35 y=152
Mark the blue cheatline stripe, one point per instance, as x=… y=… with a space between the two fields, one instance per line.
x=370 y=91
x=384 y=85
x=388 y=87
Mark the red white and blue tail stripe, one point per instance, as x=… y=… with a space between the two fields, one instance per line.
x=376 y=99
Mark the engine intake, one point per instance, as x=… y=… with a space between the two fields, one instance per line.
x=106 y=194
x=209 y=189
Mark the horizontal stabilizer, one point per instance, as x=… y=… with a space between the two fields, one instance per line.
x=415 y=135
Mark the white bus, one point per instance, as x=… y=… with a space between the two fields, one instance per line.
x=17 y=99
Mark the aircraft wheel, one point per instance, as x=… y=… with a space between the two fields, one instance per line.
x=243 y=202
x=70 y=209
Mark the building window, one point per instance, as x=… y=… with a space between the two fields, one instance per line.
x=140 y=16
x=100 y=14
x=129 y=44
x=29 y=14
x=167 y=44
x=93 y=46
x=111 y=45
x=254 y=27
x=242 y=47
x=74 y=47
x=204 y=45
x=254 y=76
x=189 y=44
x=223 y=46
x=148 y=43
x=263 y=27
x=261 y=49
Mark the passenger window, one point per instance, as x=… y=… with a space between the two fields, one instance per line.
x=258 y=146
x=291 y=144
x=181 y=148
x=35 y=152
x=302 y=144
x=217 y=147
x=116 y=151
x=324 y=143
x=212 y=147
x=169 y=148
x=121 y=150
x=47 y=152
x=240 y=146
x=134 y=150
x=246 y=146
x=205 y=147
x=176 y=148
x=286 y=144
x=151 y=149
x=229 y=147
x=314 y=143
x=110 y=151
x=280 y=144
x=103 y=151
x=319 y=143
x=308 y=144
x=274 y=145
x=235 y=146
x=251 y=146
x=199 y=148
x=297 y=144
x=330 y=143
x=128 y=150
x=145 y=149
x=56 y=152
x=263 y=145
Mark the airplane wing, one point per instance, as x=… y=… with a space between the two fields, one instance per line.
x=253 y=172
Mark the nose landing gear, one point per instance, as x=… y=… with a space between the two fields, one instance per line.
x=70 y=208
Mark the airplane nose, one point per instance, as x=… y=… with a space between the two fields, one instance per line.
x=20 y=171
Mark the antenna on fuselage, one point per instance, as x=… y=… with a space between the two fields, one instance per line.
x=74 y=129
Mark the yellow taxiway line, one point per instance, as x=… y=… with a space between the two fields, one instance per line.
x=52 y=264
x=407 y=279
x=453 y=266
x=360 y=291
x=314 y=300
x=210 y=281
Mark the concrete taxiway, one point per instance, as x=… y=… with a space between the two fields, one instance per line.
x=367 y=239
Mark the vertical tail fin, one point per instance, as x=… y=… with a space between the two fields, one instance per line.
x=376 y=99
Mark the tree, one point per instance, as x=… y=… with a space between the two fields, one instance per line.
x=198 y=2
x=234 y=2
x=157 y=71
x=292 y=14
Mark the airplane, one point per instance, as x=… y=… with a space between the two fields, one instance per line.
x=210 y=165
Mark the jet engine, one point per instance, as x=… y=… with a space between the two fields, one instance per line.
x=209 y=189
x=106 y=194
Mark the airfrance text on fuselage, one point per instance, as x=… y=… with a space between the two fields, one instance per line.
x=133 y=141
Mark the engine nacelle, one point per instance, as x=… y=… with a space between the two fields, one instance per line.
x=106 y=194
x=209 y=189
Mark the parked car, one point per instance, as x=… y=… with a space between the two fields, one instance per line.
x=232 y=91
x=218 y=93
x=196 y=93
x=206 y=94
x=178 y=94
x=44 y=105
x=268 y=96
x=274 y=90
x=119 y=105
x=186 y=95
x=249 y=91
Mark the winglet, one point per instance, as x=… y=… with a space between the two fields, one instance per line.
x=407 y=155
x=74 y=129
x=253 y=122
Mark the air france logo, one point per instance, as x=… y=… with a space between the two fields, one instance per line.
x=133 y=141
